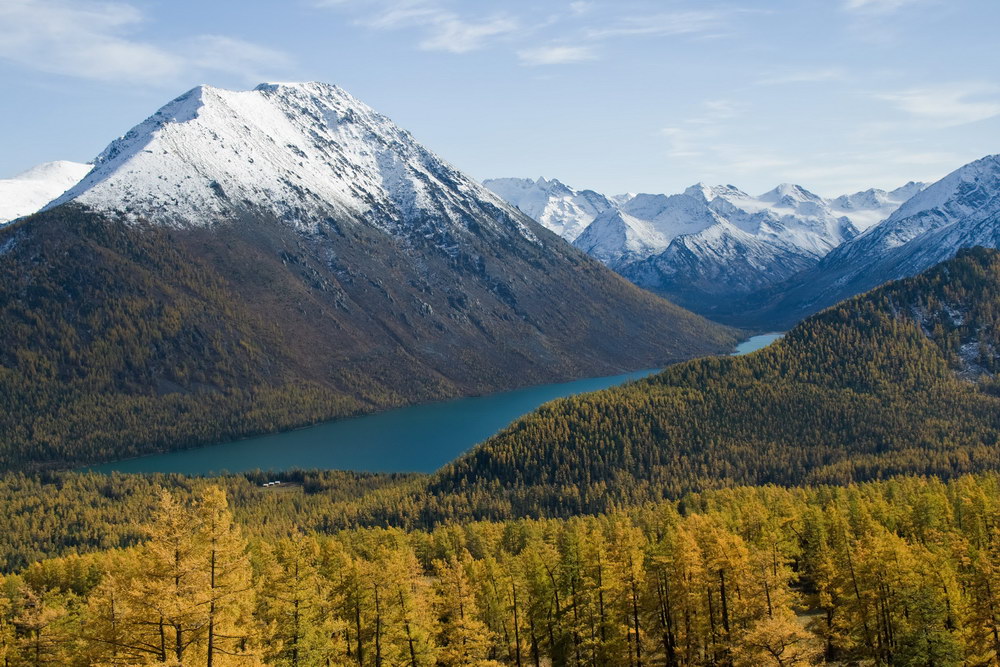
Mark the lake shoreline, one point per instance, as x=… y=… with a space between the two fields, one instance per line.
x=409 y=439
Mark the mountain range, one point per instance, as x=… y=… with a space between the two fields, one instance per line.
x=708 y=244
x=247 y=261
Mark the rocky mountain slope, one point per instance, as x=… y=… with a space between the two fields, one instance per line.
x=249 y=261
x=29 y=191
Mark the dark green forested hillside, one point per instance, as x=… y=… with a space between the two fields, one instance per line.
x=873 y=387
x=125 y=338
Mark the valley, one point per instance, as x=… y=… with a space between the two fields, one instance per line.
x=419 y=438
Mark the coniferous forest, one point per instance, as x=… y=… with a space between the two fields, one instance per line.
x=898 y=572
x=826 y=500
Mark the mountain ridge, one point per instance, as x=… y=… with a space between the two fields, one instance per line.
x=959 y=211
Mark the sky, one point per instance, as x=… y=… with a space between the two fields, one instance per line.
x=612 y=95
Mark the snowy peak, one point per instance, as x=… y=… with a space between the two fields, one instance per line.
x=959 y=211
x=672 y=216
x=968 y=194
x=708 y=193
x=957 y=195
x=616 y=238
x=297 y=153
x=789 y=195
x=558 y=207
x=905 y=192
x=29 y=191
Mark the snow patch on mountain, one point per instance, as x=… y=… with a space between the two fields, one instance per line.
x=29 y=191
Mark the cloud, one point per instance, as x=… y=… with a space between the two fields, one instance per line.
x=583 y=24
x=671 y=23
x=556 y=55
x=95 y=40
x=443 y=30
x=948 y=105
x=877 y=6
x=80 y=39
x=697 y=136
x=235 y=56
x=803 y=76
x=452 y=34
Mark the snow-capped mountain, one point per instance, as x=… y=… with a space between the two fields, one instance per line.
x=563 y=210
x=253 y=260
x=708 y=241
x=295 y=152
x=29 y=191
x=961 y=210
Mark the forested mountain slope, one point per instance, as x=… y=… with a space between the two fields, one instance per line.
x=123 y=339
x=875 y=386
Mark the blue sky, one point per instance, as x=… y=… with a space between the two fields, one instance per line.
x=625 y=95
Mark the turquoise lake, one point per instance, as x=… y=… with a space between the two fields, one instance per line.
x=418 y=438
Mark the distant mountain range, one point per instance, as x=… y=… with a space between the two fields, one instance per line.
x=247 y=261
x=767 y=262
x=707 y=245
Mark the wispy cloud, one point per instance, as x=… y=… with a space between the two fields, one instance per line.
x=877 y=6
x=818 y=75
x=450 y=33
x=220 y=53
x=97 y=40
x=556 y=55
x=441 y=29
x=948 y=105
x=698 y=135
x=573 y=30
x=669 y=23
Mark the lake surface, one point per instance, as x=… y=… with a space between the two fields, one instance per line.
x=755 y=343
x=419 y=438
